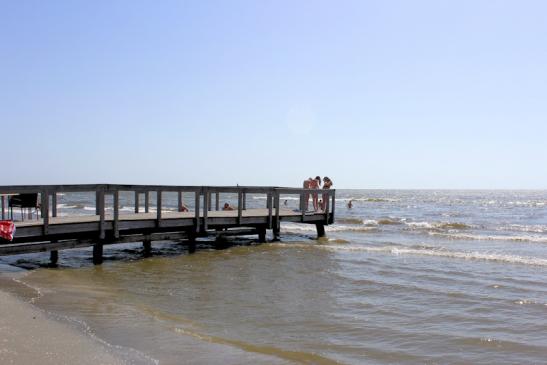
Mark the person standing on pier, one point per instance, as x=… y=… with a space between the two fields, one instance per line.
x=327 y=184
x=306 y=185
x=315 y=184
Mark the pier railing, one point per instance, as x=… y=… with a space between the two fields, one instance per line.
x=203 y=201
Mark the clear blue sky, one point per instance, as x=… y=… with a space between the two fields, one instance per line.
x=374 y=94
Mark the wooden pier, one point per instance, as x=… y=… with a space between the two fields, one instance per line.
x=204 y=217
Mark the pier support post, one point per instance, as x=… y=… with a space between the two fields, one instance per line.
x=275 y=232
x=98 y=253
x=147 y=247
x=261 y=234
x=320 y=230
x=54 y=257
x=191 y=242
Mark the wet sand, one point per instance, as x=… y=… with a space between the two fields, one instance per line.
x=28 y=336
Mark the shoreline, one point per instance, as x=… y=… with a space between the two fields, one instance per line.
x=29 y=335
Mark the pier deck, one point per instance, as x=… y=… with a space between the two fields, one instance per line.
x=52 y=233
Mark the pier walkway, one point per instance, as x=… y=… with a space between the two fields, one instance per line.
x=151 y=221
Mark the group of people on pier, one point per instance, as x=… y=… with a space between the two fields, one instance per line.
x=310 y=183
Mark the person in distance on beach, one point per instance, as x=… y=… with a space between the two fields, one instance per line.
x=227 y=207
x=350 y=204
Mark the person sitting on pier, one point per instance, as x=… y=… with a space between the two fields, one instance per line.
x=183 y=208
x=227 y=207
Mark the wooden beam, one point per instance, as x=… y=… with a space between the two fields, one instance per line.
x=179 y=201
x=54 y=257
x=3 y=207
x=146 y=201
x=217 y=201
x=320 y=230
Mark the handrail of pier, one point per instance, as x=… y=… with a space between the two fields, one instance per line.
x=272 y=193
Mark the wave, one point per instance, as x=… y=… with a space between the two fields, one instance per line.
x=524 y=228
x=299 y=228
x=429 y=251
x=477 y=237
x=438 y=225
x=70 y=206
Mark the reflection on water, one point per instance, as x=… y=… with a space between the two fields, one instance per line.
x=403 y=278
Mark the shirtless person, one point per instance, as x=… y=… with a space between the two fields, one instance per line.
x=227 y=207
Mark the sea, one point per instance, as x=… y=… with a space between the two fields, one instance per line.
x=403 y=277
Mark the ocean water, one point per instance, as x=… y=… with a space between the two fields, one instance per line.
x=404 y=277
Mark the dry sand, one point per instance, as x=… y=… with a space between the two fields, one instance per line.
x=28 y=336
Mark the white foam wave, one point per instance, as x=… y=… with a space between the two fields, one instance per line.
x=427 y=251
x=298 y=228
x=477 y=237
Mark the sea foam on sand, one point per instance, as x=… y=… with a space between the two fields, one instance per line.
x=27 y=336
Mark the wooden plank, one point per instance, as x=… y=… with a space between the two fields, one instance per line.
x=179 y=201
x=146 y=201
x=116 y=214
x=304 y=202
x=3 y=207
x=137 y=203
x=244 y=201
x=217 y=201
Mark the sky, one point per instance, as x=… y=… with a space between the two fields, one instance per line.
x=373 y=94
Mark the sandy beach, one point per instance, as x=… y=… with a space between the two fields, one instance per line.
x=28 y=336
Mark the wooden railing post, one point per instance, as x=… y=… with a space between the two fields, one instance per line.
x=197 y=198
x=100 y=211
x=326 y=202
x=239 y=206
x=270 y=210
x=116 y=202
x=333 y=207
x=277 y=222
x=146 y=201
x=45 y=210
x=179 y=201
x=158 y=207
x=54 y=204
x=137 y=203
x=3 y=207
x=217 y=200
x=206 y=203
x=244 y=201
